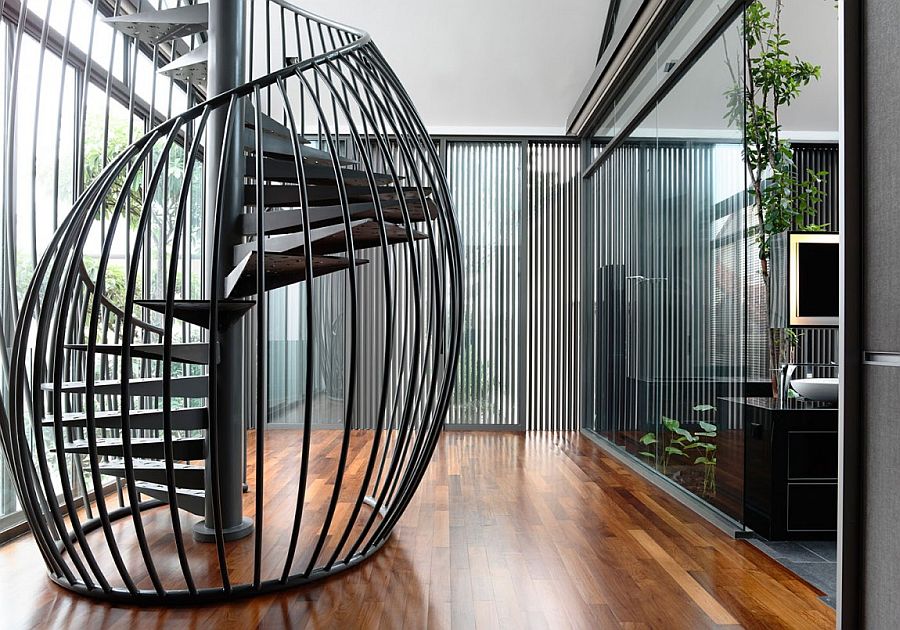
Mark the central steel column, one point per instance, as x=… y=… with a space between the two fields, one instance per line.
x=226 y=71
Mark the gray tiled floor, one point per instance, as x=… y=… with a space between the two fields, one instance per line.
x=814 y=561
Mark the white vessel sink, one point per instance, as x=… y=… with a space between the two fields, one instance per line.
x=821 y=389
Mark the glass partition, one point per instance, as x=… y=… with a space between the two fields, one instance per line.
x=669 y=275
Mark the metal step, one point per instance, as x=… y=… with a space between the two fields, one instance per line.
x=331 y=239
x=285 y=170
x=184 y=419
x=190 y=67
x=270 y=126
x=282 y=221
x=197 y=311
x=189 y=500
x=277 y=145
x=155 y=27
x=286 y=196
x=183 y=448
x=194 y=353
x=280 y=271
x=186 y=475
x=182 y=387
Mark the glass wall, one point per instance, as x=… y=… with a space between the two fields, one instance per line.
x=668 y=210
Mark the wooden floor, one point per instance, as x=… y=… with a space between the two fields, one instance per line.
x=507 y=531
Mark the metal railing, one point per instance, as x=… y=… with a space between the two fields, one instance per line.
x=356 y=141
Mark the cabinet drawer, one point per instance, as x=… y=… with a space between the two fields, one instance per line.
x=813 y=455
x=812 y=507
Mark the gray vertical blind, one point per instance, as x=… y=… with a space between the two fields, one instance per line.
x=552 y=326
x=486 y=180
x=517 y=205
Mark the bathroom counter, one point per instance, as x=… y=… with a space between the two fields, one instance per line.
x=791 y=467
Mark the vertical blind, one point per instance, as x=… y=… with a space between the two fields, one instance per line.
x=517 y=204
x=486 y=182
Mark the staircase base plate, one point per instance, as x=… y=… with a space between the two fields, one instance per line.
x=202 y=533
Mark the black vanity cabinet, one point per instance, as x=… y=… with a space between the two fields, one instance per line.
x=791 y=459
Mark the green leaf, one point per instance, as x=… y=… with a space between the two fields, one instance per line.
x=711 y=434
x=706 y=426
x=704 y=408
x=686 y=434
x=701 y=460
x=648 y=454
x=670 y=423
x=648 y=438
x=671 y=450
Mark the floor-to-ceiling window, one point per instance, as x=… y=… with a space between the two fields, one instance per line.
x=75 y=94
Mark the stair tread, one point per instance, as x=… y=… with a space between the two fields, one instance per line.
x=285 y=170
x=185 y=418
x=331 y=239
x=270 y=126
x=155 y=27
x=149 y=464
x=281 y=221
x=151 y=448
x=195 y=353
x=154 y=471
x=191 y=66
x=182 y=386
x=325 y=194
x=281 y=271
x=191 y=500
x=278 y=145
x=159 y=487
x=117 y=441
x=197 y=311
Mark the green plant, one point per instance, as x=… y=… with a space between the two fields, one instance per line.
x=782 y=199
x=679 y=441
x=709 y=458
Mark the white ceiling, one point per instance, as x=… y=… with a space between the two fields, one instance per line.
x=518 y=66
x=483 y=66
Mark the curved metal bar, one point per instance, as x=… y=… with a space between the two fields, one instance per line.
x=351 y=393
x=125 y=381
x=168 y=325
x=300 y=171
x=389 y=316
x=261 y=338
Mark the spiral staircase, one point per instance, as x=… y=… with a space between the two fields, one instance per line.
x=319 y=166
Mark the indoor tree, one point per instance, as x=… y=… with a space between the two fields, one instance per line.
x=783 y=198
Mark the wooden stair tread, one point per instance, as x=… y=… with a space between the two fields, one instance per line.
x=281 y=271
x=281 y=221
x=285 y=170
x=332 y=239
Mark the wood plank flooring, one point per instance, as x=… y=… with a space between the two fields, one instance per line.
x=507 y=531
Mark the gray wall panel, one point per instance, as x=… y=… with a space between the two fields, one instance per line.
x=880 y=236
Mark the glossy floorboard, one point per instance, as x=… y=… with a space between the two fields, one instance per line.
x=507 y=531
